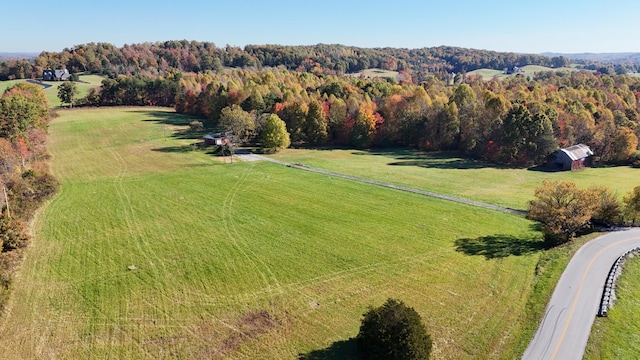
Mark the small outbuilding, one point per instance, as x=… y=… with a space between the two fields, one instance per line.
x=574 y=157
x=219 y=139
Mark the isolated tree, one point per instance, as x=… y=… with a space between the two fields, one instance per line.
x=274 y=134
x=238 y=121
x=562 y=208
x=67 y=92
x=393 y=331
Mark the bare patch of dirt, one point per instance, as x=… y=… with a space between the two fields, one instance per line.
x=248 y=327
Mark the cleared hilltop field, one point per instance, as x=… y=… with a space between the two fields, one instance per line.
x=527 y=70
x=85 y=83
x=151 y=250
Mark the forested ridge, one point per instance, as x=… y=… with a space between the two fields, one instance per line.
x=192 y=56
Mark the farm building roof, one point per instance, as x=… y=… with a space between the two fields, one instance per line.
x=577 y=152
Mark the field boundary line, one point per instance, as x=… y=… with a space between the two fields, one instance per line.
x=397 y=187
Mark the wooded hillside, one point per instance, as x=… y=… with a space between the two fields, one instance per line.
x=192 y=56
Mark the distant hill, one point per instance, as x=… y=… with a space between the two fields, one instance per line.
x=612 y=58
x=193 y=56
x=18 y=55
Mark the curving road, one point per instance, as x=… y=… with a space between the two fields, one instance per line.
x=566 y=325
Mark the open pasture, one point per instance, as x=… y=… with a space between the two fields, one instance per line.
x=151 y=250
x=453 y=175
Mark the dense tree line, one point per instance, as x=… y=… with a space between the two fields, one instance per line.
x=516 y=121
x=24 y=177
x=156 y=59
x=135 y=91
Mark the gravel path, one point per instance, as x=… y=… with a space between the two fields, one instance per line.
x=254 y=157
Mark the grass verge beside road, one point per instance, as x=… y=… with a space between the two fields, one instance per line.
x=618 y=335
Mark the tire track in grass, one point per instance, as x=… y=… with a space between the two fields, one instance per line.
x=299 y=286
x=135 y=234
x=236 y=238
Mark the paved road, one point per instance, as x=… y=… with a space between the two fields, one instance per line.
x=565 y=328
x=254 y=157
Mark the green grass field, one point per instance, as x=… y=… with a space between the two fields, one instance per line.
x=85 y=83
x=151 y=250
x=618 y=335
x=4 y=85
x=452 y=175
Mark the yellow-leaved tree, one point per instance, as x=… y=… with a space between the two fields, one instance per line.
x=562 y=208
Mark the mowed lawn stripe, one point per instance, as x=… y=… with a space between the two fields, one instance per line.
x=214 y=244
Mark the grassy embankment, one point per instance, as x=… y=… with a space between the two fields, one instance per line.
x=618 y=335
x=249 y=260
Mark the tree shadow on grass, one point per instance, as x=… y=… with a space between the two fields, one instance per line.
x=340 y=350
x=499 y=246
x=434 y=160
x=176 y=149
x=171 y=119
x=544 y=168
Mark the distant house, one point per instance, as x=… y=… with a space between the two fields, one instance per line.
x=219 y=139
x=55 y=75
x=515 y=70
x=571 y=158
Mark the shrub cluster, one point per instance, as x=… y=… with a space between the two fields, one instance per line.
x=393 y=331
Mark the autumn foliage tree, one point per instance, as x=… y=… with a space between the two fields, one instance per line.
x=238 y=121
x=632 y=204
x=364 y=128
x=274 y=134
x=607 y=207
x=562 y=208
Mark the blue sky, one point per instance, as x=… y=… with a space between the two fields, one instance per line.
x=534 y=26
